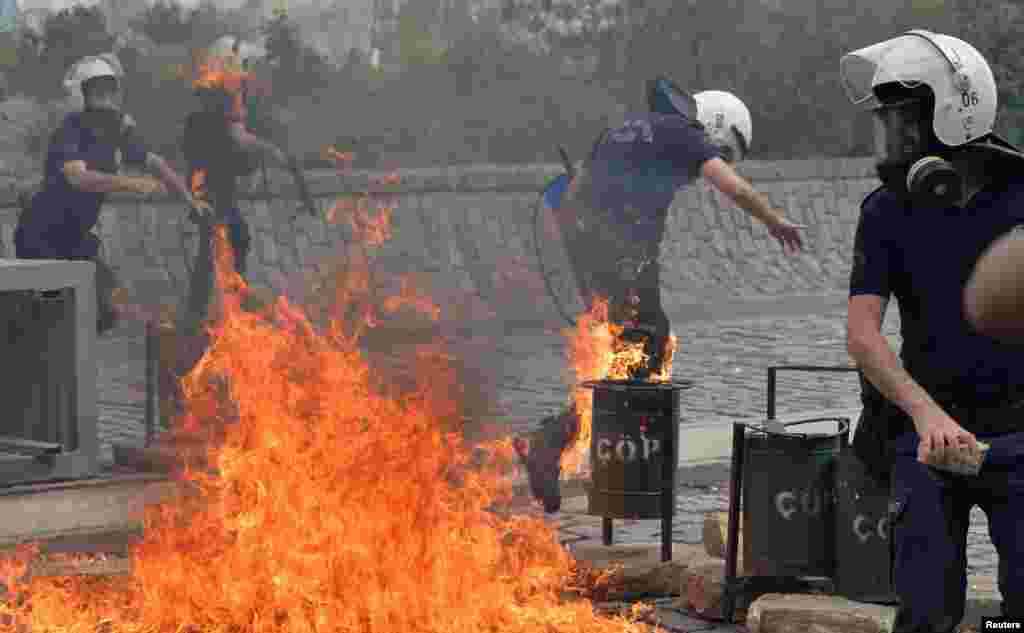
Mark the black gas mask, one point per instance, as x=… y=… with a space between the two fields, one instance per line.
x=911 y=161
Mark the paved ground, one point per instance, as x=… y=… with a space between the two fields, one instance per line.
x=726 y=358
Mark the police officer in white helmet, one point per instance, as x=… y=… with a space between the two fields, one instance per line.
x=950 y=188
x=83 y=165
x=613 y=218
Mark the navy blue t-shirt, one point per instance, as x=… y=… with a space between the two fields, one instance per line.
x=924 y=258
x=62 y=215
x=637 y=168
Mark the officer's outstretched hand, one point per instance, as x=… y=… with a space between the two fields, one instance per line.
x=788 y=235
x=941 y=437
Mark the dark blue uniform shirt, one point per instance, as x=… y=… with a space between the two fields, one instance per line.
x=637 y=168
x=924 y=257
x=61 y=215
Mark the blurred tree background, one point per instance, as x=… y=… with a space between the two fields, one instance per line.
x=509 y=83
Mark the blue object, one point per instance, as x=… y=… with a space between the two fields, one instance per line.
x=554 y=191
x=668 y=99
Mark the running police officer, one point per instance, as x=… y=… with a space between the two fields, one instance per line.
x=613 y=220
x=950 y=188
x=82 y=166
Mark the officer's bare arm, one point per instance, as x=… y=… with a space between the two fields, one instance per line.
x=720 y=174
x=872 y=353
x=994 y=296
x=81 y=177
x=170 y=178
x=253 y=143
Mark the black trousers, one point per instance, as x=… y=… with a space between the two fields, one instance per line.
x=597 y=257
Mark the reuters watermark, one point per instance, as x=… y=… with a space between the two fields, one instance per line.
x=1002 y=624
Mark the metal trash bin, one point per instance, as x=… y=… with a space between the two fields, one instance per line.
x=787 y=499
x=634 y=452
x=863 y=564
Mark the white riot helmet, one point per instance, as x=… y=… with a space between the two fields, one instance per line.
x=726 y=119
x=86 y=69
x=928 y=93
x=959 y=77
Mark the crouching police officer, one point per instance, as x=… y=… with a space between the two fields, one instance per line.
x=613 y=218
x=82 y=166
x=950 y=188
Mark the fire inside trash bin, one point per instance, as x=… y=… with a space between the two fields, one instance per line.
x=597 y=353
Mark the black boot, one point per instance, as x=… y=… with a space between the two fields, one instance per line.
x=542 y=457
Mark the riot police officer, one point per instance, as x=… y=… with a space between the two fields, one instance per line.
x=950 y=187
x=83 y=165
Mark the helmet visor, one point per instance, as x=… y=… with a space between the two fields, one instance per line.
x=906 y=60
x=900 y=132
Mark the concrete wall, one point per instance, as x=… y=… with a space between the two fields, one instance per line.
x=471 y=228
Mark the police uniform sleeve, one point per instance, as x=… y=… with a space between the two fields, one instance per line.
x=690 y=146
x=873 y=260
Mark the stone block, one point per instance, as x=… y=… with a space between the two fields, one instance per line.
x=640 y=568
x=702 y=588
x=715 y=536
x=797 y=613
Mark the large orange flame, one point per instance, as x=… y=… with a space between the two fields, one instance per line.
x=325 y=503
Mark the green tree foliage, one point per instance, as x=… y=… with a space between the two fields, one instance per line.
x=298 y=69
x=168 y=22
x=67 y=36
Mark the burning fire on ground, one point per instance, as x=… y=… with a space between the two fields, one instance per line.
x=324 y=504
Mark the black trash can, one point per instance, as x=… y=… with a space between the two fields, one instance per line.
x=787 y=499
x=634 y=450
x=863 y=565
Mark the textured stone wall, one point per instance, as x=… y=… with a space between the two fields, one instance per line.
x=471 y=229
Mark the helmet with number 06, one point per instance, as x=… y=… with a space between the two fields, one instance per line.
x=960 y=80
x=726 y=119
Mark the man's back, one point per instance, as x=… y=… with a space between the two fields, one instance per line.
x=636 y=169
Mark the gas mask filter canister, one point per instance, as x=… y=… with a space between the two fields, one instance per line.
x=907 y=161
